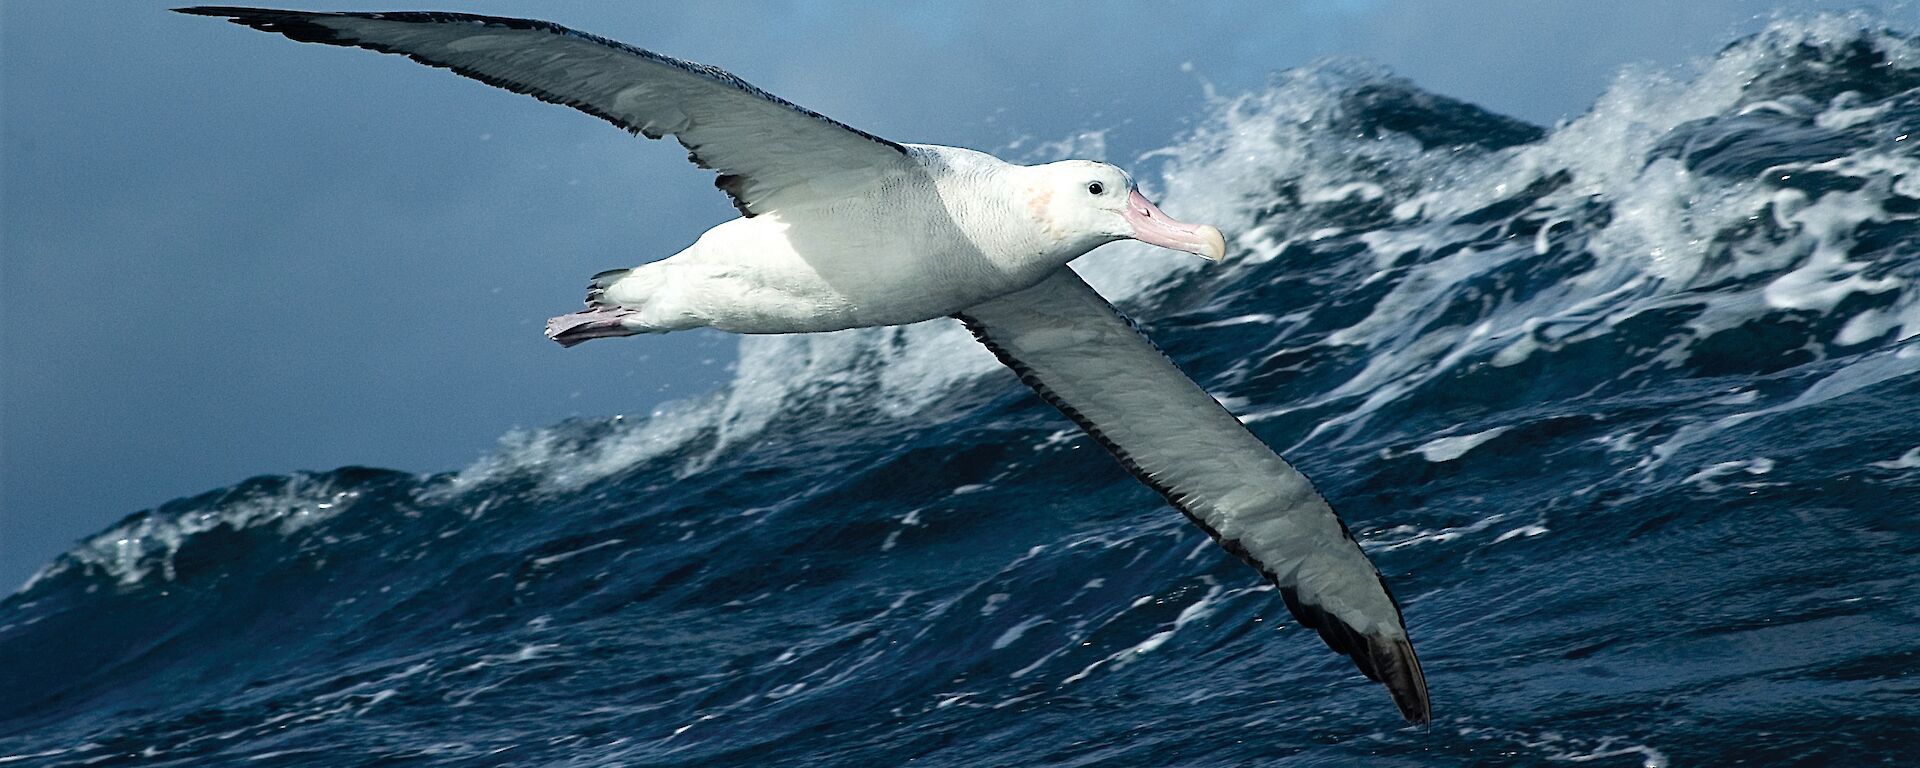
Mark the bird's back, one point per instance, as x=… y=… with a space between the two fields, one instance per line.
x=904 y=248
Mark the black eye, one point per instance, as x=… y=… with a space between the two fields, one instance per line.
x=1096 y=188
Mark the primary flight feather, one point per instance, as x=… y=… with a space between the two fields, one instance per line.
x=843 y=229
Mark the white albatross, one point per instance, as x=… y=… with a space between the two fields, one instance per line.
x=843 y=229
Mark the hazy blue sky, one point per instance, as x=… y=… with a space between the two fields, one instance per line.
x=223 y=253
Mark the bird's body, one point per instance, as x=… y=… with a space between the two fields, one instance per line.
x=947 y=230
x=843 y=229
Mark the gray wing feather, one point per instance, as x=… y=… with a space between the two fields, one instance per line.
x=1086 y=359
x=767 y=150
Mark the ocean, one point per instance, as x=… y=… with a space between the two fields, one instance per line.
x=1625 y=409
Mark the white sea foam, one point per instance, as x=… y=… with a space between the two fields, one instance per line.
x=5 y=759
x=1908 y=460
x=1450 y=448
x=542 y=562
x=1525 y=531
x=1560 y=748
x=1705 y=477
x=144 y=546
x=1407 y=535
x=1199 y=609
x=1013 y=633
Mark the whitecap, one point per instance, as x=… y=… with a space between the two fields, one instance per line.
x=1450 y=448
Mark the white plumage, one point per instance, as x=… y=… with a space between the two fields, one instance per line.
x=915 y=240
x=843 y=229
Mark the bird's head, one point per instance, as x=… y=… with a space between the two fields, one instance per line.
x=1084 y=204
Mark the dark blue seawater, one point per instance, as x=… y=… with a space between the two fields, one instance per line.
x=1626 y=410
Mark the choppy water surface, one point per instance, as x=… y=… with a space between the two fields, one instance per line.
x=1624 y=409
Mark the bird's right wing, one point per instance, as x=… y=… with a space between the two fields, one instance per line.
x=768 y=151
x=1086 y=359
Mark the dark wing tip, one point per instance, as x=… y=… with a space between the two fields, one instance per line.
x=238 y=14
x=1386 y=660
x=296 y=25
x=1399 y=669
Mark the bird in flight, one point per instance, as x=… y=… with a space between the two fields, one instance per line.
x=840 y=228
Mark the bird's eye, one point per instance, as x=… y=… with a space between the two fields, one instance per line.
x=1096 y=188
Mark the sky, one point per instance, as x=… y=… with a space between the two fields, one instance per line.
x=225 y=254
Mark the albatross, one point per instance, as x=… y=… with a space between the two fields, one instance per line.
x=840 y=228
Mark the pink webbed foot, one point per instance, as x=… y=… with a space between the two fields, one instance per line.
x=596 y=323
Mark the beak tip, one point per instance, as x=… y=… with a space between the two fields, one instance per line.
x=1215 y=244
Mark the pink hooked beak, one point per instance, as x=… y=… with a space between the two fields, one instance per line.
x=1155 y=228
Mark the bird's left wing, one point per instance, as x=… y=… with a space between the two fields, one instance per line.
x=1086 y=359
x=769 y=152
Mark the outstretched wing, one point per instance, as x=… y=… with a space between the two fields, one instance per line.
x=768 y=151
x=1086 y=359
